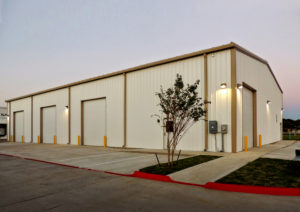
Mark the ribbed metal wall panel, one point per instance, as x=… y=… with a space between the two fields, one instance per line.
x=58 y=98
x=18 y=105
x=110 y=88
x=143 y=130
x=219 y=71
x=258 y=76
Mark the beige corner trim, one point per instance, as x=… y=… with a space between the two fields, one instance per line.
x=10 y=121
x=69 y=115
x=233 y=100
x=125 y=110
x=206 y=100
x=31 y=139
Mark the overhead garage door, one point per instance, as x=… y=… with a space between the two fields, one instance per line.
x=94 y=122
x=247 y=117
x=19 y=126
x=49 y=124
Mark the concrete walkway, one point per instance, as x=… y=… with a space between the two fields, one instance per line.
x=287 y=153
x=216 y=169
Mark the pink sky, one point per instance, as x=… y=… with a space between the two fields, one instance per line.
x=54 y=42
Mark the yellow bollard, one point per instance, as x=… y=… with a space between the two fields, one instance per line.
x=54 y=139
x=79 y=140
x=38 y=139
x=11 y=138
x=246 y=144
x=259 y=140
x=22 y=139
x=105 y=141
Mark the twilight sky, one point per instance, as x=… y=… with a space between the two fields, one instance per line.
x=46 y=43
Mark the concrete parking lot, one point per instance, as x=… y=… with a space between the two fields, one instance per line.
x=34 y=186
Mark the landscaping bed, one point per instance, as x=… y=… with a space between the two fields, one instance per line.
x=164 y=169
x=266 y=172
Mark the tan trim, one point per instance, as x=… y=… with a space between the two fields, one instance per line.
x=41 y=126
x=31 y=139
x=69 y=115
x=10 y=120
x=125 y=110
x=136 y=68
x=233 y=99
x=160 y=62
x=80 y=138
x=250 y=54
x=41 y=122
x=82 y=117
x=14 y=124
x=255 y=144
x=206 y=100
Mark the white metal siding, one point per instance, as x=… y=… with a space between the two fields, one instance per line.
x=59 y=98
x=112 y=89
x=94 y=122
x=143 y=130
x=248 y=117
x=49 y=124
x=219 y=71
x=18 y=105
x=257 y=75
x=19 y=126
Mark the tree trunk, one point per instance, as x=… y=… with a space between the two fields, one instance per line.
x=168 y=147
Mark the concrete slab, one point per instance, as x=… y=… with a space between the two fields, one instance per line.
x=286 y=153
x=100 y=158
x=216 y=169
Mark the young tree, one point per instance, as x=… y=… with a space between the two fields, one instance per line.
x=181 y=108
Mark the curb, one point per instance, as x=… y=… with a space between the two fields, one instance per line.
x=210 y=185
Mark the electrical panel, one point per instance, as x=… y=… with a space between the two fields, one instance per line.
x=224 y=128
x=213 y=127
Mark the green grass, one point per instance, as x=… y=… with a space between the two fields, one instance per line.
x=291 y=137
x=164 y=169
x=266 y=172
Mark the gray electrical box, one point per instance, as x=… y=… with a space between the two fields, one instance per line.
x=213 y=127
x=224 y=128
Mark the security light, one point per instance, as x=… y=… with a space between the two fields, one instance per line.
x=268 y=102
x=66 y=107
x=223 y=85
x=239 y=86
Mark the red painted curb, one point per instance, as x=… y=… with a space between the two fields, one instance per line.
x=254 y=189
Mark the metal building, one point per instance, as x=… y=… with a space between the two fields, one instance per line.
x=115 y=109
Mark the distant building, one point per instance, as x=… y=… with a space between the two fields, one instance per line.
x=3 y=122
x=116 y=108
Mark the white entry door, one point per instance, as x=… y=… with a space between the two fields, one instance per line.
x=94 y=122
x=49 y=124
x=247 y=117
x=19 y=126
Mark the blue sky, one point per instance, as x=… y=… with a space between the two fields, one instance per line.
x=46 y=43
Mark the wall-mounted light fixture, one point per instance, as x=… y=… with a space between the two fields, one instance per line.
x=66 y=107
x=268 y=102
x=223 y=85
x=239 y=86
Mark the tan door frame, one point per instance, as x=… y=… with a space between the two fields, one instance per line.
x=82 y=117
x=254 y=112
x=41 y=121
x=14 y=124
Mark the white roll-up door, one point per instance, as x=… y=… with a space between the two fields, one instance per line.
x=247 y=117
x=49 y=124
x=94 y=122
x=19 y=126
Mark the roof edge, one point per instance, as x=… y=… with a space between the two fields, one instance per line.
x=152 y=64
